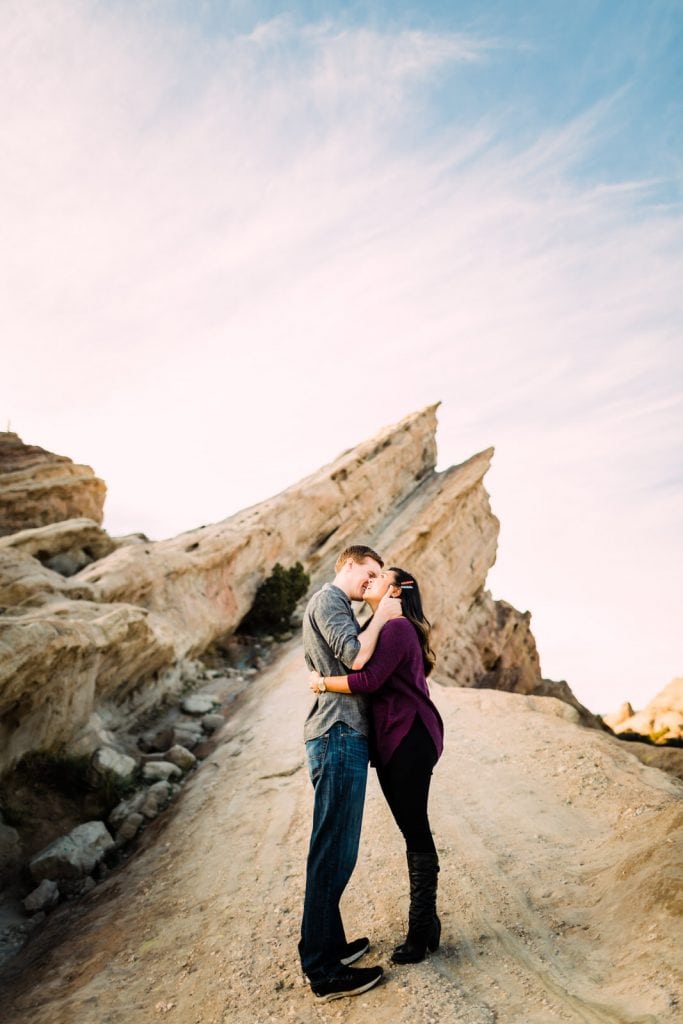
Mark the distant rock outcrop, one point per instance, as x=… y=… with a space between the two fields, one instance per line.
x=38 y=488
x=661 y=721
x=119 y=631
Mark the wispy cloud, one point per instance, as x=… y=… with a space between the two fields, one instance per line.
x=226 y=259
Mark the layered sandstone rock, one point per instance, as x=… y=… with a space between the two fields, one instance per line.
x=38 y=488
x=119 y=631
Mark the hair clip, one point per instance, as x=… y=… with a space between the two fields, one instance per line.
x=407 y=583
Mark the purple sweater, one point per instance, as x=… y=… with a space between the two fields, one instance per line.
x=395 y=677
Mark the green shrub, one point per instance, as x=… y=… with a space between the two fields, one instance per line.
x=276 y=599
x=66 y=772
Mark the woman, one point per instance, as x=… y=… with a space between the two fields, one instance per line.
x=407 y=742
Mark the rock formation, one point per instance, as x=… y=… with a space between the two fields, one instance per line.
x=661 y=721
x=120 y=631
x=65 y=547
x=38 y=488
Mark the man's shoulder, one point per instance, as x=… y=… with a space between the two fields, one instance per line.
x=328 y=596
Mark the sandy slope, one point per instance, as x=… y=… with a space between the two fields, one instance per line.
x=558 y=892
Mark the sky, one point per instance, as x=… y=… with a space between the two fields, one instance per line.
x=239 y=238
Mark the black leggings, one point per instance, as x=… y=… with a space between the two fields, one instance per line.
x=405 y=783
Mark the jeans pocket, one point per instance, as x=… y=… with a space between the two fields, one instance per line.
x=355 y=746
x=315 y=754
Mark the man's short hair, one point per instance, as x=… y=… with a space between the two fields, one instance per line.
x=357 y=552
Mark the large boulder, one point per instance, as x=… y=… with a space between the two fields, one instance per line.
x=74 y=855
x=37 y=487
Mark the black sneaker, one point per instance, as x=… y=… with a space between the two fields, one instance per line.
x=349 y=982
x=354 y=951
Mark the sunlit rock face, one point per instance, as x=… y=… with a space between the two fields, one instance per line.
x=38 y=488
x=119 y=631
x=661 y=721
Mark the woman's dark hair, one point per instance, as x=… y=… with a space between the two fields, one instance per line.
x=411 y=603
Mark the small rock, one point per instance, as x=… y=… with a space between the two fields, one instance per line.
x=189 y=725
x=158 y=740
x=127 y=807
x=71 y=887
x=210 y=723
x=198 y=704
x=68 y=563
x=74 y=855
x=181 y=757
x=187 y=738
x=156 y=770
x=130 y=827
x=108 y=764
x=42 y=898
x=156 y=799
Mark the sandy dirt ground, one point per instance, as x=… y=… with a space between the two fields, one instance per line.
x=560 y=888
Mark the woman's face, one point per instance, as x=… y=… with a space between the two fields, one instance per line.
x=377 y=587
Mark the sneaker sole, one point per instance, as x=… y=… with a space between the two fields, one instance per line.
x=352 y=992
x=346 y=960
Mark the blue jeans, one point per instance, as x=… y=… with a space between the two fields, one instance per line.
x=338 y=766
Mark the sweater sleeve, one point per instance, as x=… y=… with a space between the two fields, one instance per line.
x=337 y=626
x=392 y=647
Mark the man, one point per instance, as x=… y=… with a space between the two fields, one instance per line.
x=336 y=733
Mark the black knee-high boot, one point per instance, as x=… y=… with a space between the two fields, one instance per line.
x=424 y=927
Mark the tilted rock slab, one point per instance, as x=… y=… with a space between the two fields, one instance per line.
x=119 y=631
x=447 y=535
x=38 y=488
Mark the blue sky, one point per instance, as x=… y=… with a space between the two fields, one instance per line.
x=239 y=238
x=543 y=63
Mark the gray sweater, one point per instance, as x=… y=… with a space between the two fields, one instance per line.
x=331 y=643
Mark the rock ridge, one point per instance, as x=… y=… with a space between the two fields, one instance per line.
x=119 y=631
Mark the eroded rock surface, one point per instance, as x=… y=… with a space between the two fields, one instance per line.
x=38 y=488
x=65 y=547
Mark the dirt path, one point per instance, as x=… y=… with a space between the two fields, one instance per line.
x=558 y=885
